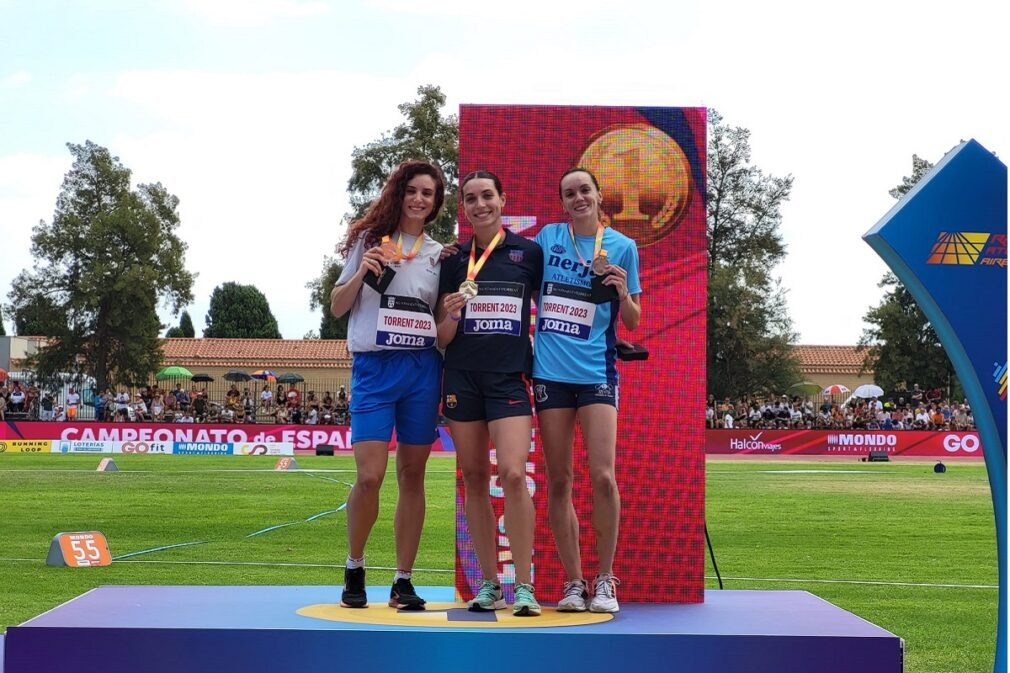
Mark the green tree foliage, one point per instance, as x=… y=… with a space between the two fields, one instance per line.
x=3 y=332
x=749 y=332
x=240 y=312
x=319 y=299
x=109 y=256
x=184 y=328
x=38 y=315
x=425 y=134
x=900 y=344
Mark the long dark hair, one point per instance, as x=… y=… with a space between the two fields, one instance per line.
x=383 y=213
x=475 y=175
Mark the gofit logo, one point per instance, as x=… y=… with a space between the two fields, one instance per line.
x=966 y=443
x=3 y=447
x=969 y=248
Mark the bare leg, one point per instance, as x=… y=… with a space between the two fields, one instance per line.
x=409 y=520
x=599 y=430
x=370 y=458
x=511 y=439
x=557 y=432
x=472 y=453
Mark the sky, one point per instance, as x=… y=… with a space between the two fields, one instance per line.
x=248 y=111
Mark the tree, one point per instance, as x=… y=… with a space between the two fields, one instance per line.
x=3 y=332
x=320 y=288
x=38 y=315
x=184 y=329
x=426 y=135
x=901 y=345
x=749 y=331
x=109 y=256
x=240 y=312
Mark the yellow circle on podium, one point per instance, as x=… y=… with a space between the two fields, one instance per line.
x=450 y=616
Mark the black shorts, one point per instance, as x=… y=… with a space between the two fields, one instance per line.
x=555 y=395
x=484 y=396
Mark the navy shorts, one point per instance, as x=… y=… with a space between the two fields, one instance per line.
x=484 y=396
x=395 y=388
x=555 y=395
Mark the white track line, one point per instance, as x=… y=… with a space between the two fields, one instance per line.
x=871 y=582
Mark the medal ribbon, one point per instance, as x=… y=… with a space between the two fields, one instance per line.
x=597 y=245
x=416 y=248
x=473 y=269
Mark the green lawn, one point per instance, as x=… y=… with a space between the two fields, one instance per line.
x=875 y=539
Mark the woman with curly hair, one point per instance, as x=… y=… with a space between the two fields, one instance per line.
x=390 y=286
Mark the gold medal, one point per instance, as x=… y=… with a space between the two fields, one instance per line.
x=468 y=288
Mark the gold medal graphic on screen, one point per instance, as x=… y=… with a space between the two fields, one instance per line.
x=468 y=288
x=645 y=178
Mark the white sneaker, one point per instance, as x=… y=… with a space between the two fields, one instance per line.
x=574 y=598
x=605 y=595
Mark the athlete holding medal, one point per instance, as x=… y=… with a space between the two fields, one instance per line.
x=483 y=321
x=390 y=286
x=575 y=377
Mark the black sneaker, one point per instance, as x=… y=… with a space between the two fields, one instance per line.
x=403 y=597
x=354 y=589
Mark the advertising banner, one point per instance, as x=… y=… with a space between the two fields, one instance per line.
x=856 y=443
x=650 y=163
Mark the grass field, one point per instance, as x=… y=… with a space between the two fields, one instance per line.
x=898 y=545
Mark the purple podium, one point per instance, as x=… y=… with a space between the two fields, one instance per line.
x=268 y=629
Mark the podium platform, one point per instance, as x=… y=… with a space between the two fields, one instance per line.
x=269 y=629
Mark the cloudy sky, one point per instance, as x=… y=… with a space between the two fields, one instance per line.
x=248 y=110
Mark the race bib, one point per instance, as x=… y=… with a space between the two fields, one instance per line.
x=404 y=323
x=566 y=309
x=497 y=309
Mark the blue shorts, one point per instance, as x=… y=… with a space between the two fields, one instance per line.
x=554 y=395
x=395 y=389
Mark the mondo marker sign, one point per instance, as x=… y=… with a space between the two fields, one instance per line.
x=79 y=550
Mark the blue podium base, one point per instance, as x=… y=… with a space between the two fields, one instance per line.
x=257 y=629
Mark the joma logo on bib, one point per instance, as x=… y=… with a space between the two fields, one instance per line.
x=404 y=340
x=492 y=325
x=548 y=325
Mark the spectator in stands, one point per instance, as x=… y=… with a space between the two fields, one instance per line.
x=200 y=408
x=294 y=399
x=147 y=394
x=182 y=397
x=709 y=416
x=122 y=405
x=108 y=406
x=46 y=406
x=3 y=403
x=248 y=409
x=140 y=408
x=16 y=399
x=158 y=407
x=171 y=406
x=917 y=395
x=921 y=421
x=267 y=398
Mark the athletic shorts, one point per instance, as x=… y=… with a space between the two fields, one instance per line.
x=555 y=395
x=484 y=396
x=395 y=389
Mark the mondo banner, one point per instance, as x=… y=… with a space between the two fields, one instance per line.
x=650 y=163
x=842 y=443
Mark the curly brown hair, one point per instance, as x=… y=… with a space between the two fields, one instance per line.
x=383 y=214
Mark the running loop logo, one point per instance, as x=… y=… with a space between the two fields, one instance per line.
x=967 y=248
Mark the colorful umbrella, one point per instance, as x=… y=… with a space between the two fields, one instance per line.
x=265 y=375
x=837 y=389
x=173 y=372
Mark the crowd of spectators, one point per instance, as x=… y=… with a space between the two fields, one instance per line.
x=917 y=412
x=178 y=404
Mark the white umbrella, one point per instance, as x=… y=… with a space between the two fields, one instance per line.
x=868 y=390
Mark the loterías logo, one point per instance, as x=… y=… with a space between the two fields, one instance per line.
x=999 y=376
x=969 y=248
